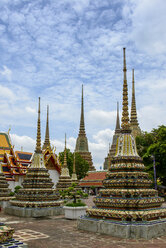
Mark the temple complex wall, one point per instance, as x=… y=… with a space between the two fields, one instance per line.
x=54 y=175
x=13 y=184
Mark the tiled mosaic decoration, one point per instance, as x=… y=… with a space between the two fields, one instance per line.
x=13 y=243
x=27 y=234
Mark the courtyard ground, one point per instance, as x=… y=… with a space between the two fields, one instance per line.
x=57 y=232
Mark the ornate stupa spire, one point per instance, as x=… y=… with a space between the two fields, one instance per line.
x=65 y=158
x=112 y=149
x=47 y=136
x=117 y=128
x=37 y=191
x=82 y=141
x=125 y=113
x=82 y=123
x=133 y=117
x=127 y=199
x=38 y=138
x=74 y=175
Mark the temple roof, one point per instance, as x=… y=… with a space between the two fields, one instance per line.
x=23 y=156
x=4 y=141
x=94 y=178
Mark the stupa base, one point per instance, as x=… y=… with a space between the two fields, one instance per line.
x=134 y=230
x=34 y=212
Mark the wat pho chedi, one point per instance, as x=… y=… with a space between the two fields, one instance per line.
x=37 y=198
x=127 y=206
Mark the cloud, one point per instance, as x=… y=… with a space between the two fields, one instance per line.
x=104 y=136
x=49 y=48
x=148 y=25
x=6 y=73
x=24 y=142
x=30 y=110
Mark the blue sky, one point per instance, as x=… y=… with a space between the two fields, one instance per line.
x=49 y=48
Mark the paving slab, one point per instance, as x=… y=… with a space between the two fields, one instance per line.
x=58 y=232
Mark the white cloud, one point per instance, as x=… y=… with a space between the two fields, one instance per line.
x=49 y=48
x=6 y=73
x=102 y=118
x=104 y=136
x=25 y=142
x=30 y=110
x=148 y=25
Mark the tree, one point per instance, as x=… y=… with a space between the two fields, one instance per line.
x=82 y=165
x=154 y=144
x=75 y=194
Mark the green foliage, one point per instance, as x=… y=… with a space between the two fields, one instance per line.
x=82 y=165
x=73 y=193
x=11 y=193
x=77 y=204
x=16 y=189
x=154 y=144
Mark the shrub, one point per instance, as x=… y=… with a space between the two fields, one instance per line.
x=16 y=189
x=11 y=193
x=73 y=193
x=77 y=204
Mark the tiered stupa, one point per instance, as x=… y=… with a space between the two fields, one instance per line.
x=74 y=175
x=128 y=207
x=4 y=187
x=82 y=141
x=64 y=179
x=37 y=191
x=134 y=125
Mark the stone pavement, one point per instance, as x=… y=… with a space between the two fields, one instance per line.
x=57 y=232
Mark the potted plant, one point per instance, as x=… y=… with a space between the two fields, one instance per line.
x=74 y=207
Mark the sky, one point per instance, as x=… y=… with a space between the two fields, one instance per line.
x=50 y=48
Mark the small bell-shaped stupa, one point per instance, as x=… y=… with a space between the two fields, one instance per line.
x=64 y=179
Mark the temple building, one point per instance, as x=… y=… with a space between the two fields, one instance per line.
x=134 y=125
x=37 y=191
x=14 y=164
x=64 y=179
x=93 y=181
x=112 y=149
x=82 y=141
x=127 y=206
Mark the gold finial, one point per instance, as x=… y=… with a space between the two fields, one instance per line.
x=82 y=124
x=125 y=114
x=74 y=165
x=47 y=137
x=117 y=129
x=133 y=118
x=9 y=130
x=38 y=138
x=65 y=156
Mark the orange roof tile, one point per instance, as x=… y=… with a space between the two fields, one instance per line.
x=4 y=140
x=91 y=184
x=95 y=175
